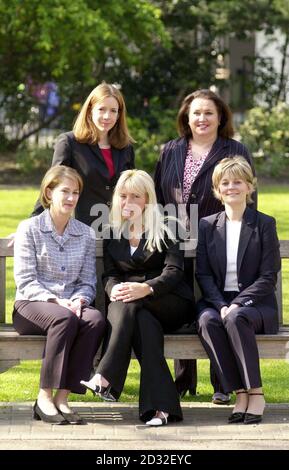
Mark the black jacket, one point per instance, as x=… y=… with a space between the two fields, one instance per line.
x=170 y=172
x=87 y=159
x=163 y=271
x=258 y=263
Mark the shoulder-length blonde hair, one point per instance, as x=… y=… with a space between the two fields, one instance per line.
x=53 y=177
x=85 y=130
x=154 y=222
x=225 y=128
x=236 y=167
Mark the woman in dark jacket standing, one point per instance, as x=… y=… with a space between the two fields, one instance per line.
x=184 y=176
x=99 y=148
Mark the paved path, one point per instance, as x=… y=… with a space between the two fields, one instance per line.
x=116 y=427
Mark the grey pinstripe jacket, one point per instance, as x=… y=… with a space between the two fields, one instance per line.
x=47 y=265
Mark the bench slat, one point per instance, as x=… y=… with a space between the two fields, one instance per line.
x=26 y=347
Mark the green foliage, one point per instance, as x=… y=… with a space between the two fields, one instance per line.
x=71 y=42
x=34 y=159
x=150 y=135
x=67 y=40
x=157 y=50
x=266 y=133
x=200 y=34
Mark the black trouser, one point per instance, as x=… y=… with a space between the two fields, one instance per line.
x=71 y=342
x=186 y=376
x=231 y=346
x=141 y=325
x=186 y=373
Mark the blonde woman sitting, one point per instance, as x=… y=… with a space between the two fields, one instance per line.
x=237 y=264
x=143 y=279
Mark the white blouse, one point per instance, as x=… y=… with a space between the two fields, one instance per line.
x=132 y=249
x=233 y=229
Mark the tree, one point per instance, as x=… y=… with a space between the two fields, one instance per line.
x=282 y=22
x=266 y=133
x=200 y=33
x=71 y=42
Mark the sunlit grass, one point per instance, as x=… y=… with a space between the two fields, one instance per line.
x=21 y=382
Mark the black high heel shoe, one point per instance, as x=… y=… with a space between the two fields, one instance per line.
x=239 y=416
x=39 y=415
x=71 y=418
x=102 y=392
x=251 y=418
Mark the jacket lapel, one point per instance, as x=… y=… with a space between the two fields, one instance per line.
x=216 y=153
x=100 y=162
x=247 y=228
x=181 y=150
x=116 y=159
x=141 y=254
x=120 y=249
x=220 y=244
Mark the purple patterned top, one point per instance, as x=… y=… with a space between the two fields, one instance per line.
x=192 y=168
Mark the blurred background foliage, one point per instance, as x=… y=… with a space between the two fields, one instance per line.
x=157 y=51
x=266 y=133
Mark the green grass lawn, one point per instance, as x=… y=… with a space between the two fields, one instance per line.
x=21 y=382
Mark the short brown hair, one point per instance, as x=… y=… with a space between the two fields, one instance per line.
x=85 y=130
x=225 y=128
x=237 y=167
x=53 y=177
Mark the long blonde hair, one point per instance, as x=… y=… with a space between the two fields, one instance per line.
x=85 y=130
x=154 y=222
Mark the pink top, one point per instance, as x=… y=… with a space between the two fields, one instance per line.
x=107 y=155
x=192 y=168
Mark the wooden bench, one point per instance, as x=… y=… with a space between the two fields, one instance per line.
x=14 y=348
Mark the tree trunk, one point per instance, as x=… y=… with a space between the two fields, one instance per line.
x=14 y=144
x=282 y=82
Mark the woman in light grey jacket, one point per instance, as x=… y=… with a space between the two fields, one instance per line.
x=55 y=275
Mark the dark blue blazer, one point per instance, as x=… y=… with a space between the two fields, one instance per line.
x=170 y=171
x=258 y=263
x=88 y=160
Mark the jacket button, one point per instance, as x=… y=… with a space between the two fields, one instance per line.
x=107 y=188
x=108 y=203
x=61 y=248
x=193 y=197
x=240 y=284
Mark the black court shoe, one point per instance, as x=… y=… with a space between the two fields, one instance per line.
x=238 y=416
x=39 y=415
x=251 y=418
x=71 y=418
